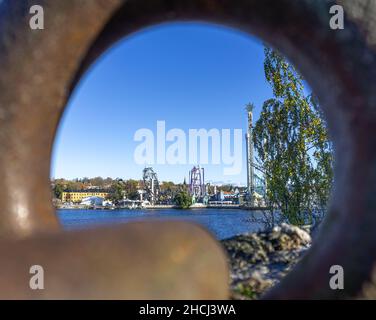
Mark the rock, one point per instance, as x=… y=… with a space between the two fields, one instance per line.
x=260 y=260
x=253 y=287
x=296 y=232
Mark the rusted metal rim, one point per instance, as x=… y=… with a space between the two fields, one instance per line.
x=339 y=65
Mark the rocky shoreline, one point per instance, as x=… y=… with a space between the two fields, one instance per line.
x=260 y=260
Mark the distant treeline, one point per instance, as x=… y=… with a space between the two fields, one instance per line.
x=118 y=188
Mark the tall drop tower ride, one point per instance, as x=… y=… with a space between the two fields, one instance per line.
x=197 y=182
x=249 y=148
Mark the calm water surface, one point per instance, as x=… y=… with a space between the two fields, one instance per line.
x=223 y=223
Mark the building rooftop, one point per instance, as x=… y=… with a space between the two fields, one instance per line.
x=89 y=190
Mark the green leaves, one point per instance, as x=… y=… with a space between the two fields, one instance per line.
x=292 y=143
x=183 y=200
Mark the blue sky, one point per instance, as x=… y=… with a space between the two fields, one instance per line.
x=189 y=75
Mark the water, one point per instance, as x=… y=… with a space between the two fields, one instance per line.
x=223 y=223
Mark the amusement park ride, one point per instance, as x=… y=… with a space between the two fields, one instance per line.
x=255 y=192
x=197 y=183
x=255 y=184
x=151 y=185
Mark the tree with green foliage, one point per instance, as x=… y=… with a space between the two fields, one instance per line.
x=131 y=189
x=58 y=190
x=117 y=191
x=292 y=145
x=183 y=199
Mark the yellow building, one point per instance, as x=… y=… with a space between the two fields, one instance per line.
x=77 y=196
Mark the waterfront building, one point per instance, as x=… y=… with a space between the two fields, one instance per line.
x=78 y=196
x=92 y=201
x=226 y=196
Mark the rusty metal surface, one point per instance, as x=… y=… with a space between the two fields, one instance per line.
x=151 y=260
x=38 y=71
